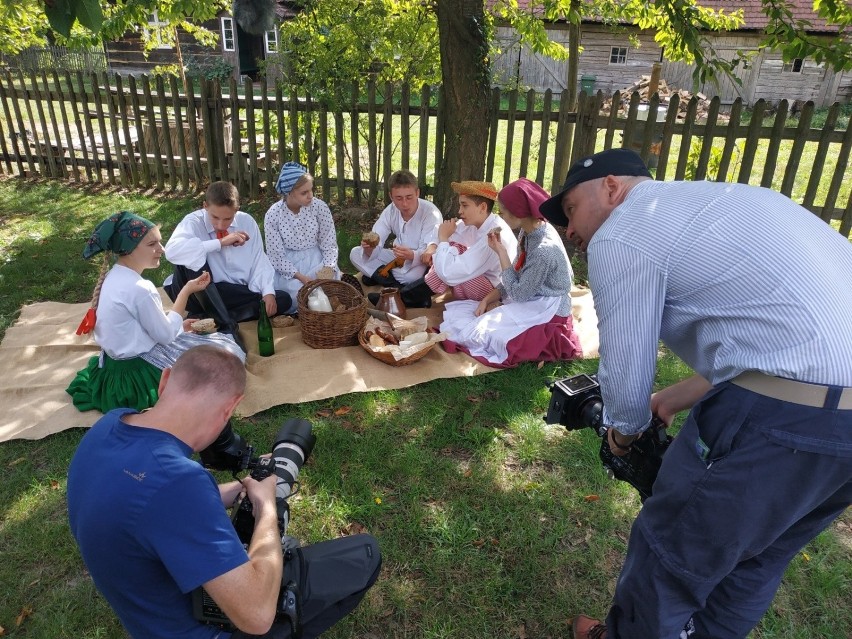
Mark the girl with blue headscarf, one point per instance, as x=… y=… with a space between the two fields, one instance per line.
x=300 y=237
x=138 y=337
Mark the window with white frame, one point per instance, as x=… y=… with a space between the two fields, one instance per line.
x=271 y=41
x=618 y=55
x=156 y=27
x=228 y=43
x=794 y=66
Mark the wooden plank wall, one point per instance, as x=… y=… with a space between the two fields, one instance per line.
x=517 y=67
x=145 y=133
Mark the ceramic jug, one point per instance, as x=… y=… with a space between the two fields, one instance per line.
x=391 y=302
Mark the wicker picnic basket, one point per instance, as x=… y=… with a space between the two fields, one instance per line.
x=336 y=328
x=389 y=359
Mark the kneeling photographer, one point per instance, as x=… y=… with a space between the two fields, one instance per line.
x=753 y=292
x=152 y=526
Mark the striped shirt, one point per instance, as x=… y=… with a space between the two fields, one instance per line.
x=731 y=277
x=546 y=271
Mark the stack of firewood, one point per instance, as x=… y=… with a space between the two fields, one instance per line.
x=665 y=92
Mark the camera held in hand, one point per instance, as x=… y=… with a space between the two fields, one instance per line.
x=576 y=403
x=230 y=452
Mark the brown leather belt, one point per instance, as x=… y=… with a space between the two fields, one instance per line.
x=788 y=390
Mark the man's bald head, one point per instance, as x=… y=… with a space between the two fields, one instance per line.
x=207 y=370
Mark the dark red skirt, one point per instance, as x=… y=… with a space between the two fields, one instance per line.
x=550 y=342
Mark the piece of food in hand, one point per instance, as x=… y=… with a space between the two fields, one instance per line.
x=325 y=273
x=494 y=232
x=371 y=238
x=204 y=326
x=282 y=321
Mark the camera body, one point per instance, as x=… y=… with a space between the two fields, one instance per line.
x=576 y=403
x=294 y=443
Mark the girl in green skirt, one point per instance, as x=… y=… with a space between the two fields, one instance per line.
x=137 y=336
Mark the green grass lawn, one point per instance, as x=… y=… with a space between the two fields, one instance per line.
x=480 y=509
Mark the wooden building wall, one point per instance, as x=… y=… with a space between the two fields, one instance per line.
x=764 y=77
x=126 y=55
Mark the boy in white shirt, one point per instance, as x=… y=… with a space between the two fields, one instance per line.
x=225 y=241
x=413 y=222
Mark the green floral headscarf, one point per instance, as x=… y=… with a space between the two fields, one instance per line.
x=119 y=233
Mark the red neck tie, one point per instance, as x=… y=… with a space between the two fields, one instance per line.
x=221 y=234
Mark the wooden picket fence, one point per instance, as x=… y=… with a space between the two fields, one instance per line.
x=148 y=133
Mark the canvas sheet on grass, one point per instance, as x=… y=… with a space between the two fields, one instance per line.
x=41 y=353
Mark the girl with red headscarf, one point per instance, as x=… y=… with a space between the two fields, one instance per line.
x=527 y=317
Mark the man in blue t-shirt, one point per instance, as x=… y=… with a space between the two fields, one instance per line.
x=152 y=526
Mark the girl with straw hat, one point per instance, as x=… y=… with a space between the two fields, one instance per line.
x=532 y=320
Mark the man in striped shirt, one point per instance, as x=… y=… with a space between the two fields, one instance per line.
x=754 y=293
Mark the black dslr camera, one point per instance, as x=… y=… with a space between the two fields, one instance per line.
x=576 y=403
x=230 y=452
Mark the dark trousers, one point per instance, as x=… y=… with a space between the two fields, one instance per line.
x=332 y=577
x=242 y=303
x=710 y=547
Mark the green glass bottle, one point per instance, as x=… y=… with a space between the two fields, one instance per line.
x=265 y=345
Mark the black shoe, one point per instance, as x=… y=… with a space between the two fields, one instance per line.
x=215 y=307
x=373 y=298
x=366 y=280
x=417 y=294
x=381 y=280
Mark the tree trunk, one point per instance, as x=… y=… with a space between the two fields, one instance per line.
x=466 y=78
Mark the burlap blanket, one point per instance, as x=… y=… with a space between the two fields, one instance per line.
x=40 y=355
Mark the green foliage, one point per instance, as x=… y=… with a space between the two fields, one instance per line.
x=713 y=162
x=166 y=70
x=209 y=67
x=333 y=43
x=63 y=13
x=791 y=36
x=89 y=22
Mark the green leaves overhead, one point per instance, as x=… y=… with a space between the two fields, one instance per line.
x=61 y=15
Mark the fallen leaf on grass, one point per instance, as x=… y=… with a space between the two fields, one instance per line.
x=522 y=632
x=353 y=528
x=2 y=631
x=467 y=473
x=540 y=364
x=591 y=497
x=325 y=412
x=342 y=410
x=54 y=485
x=806 y=556
x=26 y=611
x=478 y=543
x=473 y=398
x=16 y=462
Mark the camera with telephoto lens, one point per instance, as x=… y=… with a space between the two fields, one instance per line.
x=230 y=452
x=576 y=403
x=294 y=442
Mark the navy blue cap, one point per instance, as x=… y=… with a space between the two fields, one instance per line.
x=599 y=165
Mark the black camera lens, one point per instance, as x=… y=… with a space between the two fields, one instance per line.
x=228 y=452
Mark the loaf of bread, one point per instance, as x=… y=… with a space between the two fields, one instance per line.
x=371 y=238
x=204 y=326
